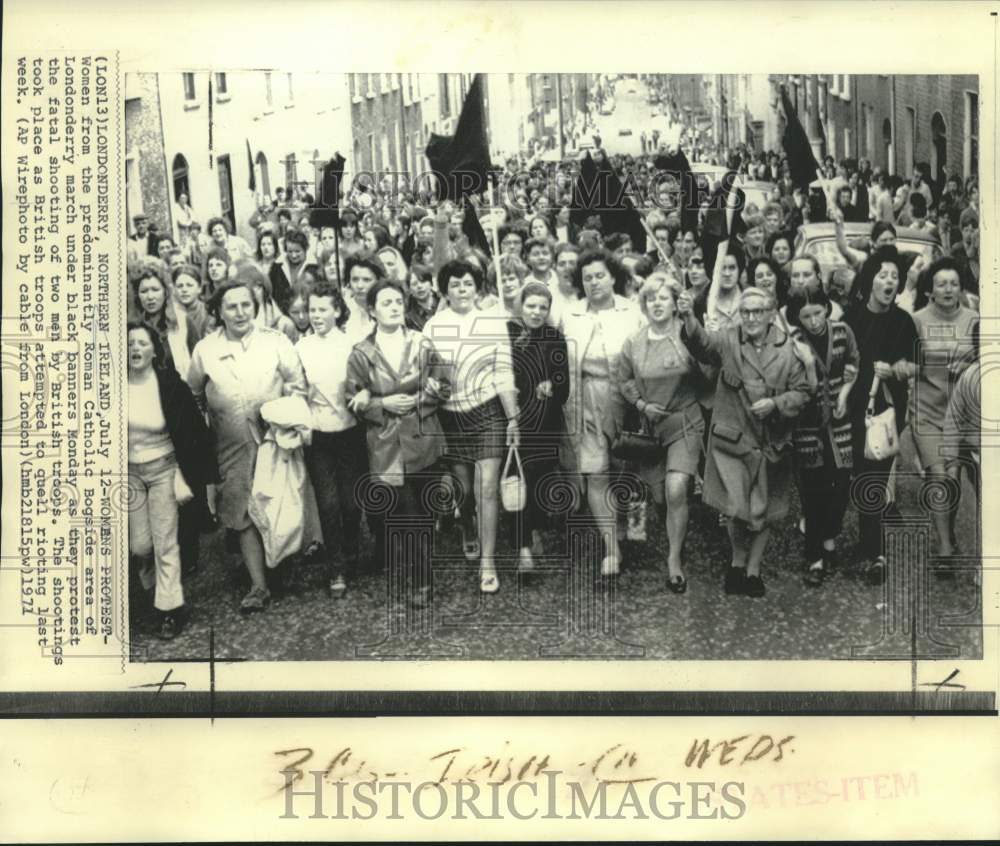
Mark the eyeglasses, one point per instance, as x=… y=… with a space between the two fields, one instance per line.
x=755 y=313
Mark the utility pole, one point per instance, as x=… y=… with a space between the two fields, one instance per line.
x=559 y=113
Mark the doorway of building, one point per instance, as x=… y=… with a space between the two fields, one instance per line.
x=226 y=192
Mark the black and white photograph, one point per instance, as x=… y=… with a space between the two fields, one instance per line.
x=552 y=366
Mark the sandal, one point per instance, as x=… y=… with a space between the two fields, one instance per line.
x=677 y=584
x=488 y=582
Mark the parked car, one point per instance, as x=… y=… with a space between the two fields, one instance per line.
x=625 y=131
x=819 y=239
x=757 y=192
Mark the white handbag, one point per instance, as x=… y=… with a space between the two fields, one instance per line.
x=881 y=438
x=513 y=489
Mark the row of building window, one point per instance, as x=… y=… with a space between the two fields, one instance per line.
x=221 y=87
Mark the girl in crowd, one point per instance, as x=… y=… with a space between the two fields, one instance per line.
x=270 y=264
x=396 y=382
x=216 y=272
x=268 y=314
x=722 y=309
x=298 y=310
x=374 y=238
x=170 y=460
x=945 y=328
x=328 y=262
x=480 y=416
x=564 y=293
x=221 y=237
x=337 y=456
x=395 y=267
x=779 y=248
x=765 y=274
x=155 y=308
x=350 y=238
x=188 y=299
x=761 y=388
x=823 y=446
x=423 y=300
x=886 y=339
x=661 y=379
x=542 y=380
x=595 y=328
x=512 y=275
x=234 y=370
x=538 y=227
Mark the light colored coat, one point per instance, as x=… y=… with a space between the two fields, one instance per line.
x=578 y=325
x=748 y=472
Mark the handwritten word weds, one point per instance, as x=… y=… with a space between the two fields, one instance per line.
x=739 y=750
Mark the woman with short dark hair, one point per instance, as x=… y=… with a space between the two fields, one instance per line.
x=596 y=327
x=886 y=337
x=480 y=416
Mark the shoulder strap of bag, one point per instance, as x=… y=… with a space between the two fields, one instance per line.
x=876 y=384
x=513 y=454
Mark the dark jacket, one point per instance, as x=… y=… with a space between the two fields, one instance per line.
x=539 y=356
x=193 y=445
x=281 y=289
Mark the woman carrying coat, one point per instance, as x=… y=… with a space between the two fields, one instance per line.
x=395 y=383
x=761 y=389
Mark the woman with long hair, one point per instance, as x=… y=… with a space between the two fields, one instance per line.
x=187 y=291
x=170 y=461
x=154 y=307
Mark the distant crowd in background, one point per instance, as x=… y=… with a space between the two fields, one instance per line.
x=421 y=360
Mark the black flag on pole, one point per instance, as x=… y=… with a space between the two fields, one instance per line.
x=253 y=177
x=723 y=220
x=472 y=228
x=326 y=210
x=462 y=161
x=599 y=192
x=802 y=163
x=678 y=166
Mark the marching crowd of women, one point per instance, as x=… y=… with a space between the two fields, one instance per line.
x=425 y=364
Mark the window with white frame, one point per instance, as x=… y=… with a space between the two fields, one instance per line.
x=221 y=85
x=268 y=90
x=190 y=92
x=291 y=89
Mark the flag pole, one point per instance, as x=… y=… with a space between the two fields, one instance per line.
x=494 y=227
x=652 y=237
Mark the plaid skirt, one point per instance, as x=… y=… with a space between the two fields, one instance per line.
x=477 y=434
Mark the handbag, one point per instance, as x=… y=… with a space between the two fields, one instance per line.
x=881 y=438
x=513 y=488
x=639 y=445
